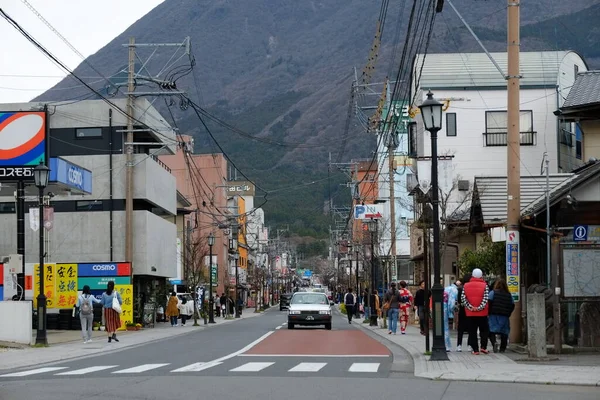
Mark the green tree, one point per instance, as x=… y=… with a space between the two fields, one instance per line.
x=490 y=257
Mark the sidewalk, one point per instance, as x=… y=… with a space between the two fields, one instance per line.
x=65 y=345
x=485 y=368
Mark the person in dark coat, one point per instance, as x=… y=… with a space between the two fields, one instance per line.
x=501 y=307
x=463 y=325
x=420 y=306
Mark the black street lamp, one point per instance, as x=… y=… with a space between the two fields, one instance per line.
x=431 y=111
x=211 y=300
x=356 y=309
x=40 y=175
x=372 y=227
x=236 y=257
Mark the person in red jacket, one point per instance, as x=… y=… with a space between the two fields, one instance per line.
x=475 y=300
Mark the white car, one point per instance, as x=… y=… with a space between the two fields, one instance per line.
x=309 y=308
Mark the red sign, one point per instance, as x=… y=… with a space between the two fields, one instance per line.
x=1 y=275
x=123 y=269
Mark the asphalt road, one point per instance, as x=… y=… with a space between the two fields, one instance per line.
x=256 y=358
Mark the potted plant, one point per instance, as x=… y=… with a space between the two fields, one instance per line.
x=96 y=326
x=138 y=327
x=102 y=327
x=130 y=326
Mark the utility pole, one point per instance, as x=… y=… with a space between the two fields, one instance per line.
x=129 y=157
x=394 y=269
x=513 y=147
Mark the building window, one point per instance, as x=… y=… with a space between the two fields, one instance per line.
x=578 y=141
x=88 y=205
x=86 y=133
x=496 y=128
x=412 y=139
x=576 y=70
x=450 y=124
x=7 y=208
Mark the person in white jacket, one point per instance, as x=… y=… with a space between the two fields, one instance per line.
x=186 y=310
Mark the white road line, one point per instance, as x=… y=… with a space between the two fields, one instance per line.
x=252 y=367
x=205 y=365
x=84 y=371
x=364 y=367
x=316 y=355
x=308 y=367
x=32 y=372
x=140 y=368
x=279 y=327
x=197 y=367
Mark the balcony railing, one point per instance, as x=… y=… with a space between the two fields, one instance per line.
x=162 y=164
x=495 y=139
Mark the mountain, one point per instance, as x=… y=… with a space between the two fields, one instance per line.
x=282 y=70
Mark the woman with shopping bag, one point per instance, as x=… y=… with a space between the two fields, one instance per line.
x=111 y=304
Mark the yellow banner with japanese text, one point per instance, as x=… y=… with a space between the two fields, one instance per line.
x=66 y=285
x=49 y=284
x=126 y=316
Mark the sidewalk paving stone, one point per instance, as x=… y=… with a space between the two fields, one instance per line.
x=65 y=345
x=493 y=367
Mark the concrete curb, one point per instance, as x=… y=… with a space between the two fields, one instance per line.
x=66 y=351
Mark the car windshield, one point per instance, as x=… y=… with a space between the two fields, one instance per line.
x=309 y=298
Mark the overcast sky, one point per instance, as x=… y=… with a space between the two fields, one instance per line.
x=87 y=24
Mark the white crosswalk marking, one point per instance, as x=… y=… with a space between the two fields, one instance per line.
x=84 y=371
x=308 y=367
x=32 y=372
x=140 y=368
x=252 y=367
x=364 y=367
x=197 y=367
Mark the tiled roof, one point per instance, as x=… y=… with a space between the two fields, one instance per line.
x=585 y=90
x=559 y=191
x=492 y=193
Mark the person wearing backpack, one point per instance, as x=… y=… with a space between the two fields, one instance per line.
x=85 y=305
x=350 y=303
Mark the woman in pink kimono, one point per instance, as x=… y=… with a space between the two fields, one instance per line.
x=406 y=301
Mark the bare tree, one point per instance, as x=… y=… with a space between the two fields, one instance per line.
x=195 y=268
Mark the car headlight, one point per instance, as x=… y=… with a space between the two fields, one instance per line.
x=326 y=312
x=294 y=312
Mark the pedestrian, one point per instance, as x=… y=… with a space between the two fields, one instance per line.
x=450 y=298
x=475 y=298
x=366 y=306
x=406 y=301
x=112 y=319
x=223 y=300
x=501 y=307
x=173 y=309
x=420 y=306
x=184 y=310
x=391 y=304
x=217 y=305
x=85 y=305
x=463 y=321
x=350 y=303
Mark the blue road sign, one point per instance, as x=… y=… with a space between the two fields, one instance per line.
x=580 y=233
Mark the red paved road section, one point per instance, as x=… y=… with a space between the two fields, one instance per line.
x=318 y=342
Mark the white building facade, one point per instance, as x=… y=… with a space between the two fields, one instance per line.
x=472 y=141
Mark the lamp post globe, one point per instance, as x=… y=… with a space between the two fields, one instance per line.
x=211 y=301
x=40 y=176
x=431 y=111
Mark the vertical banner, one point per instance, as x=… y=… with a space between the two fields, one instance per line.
x=49 y=284
x=66 y=285
x=126 y=292
x=513 y=264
